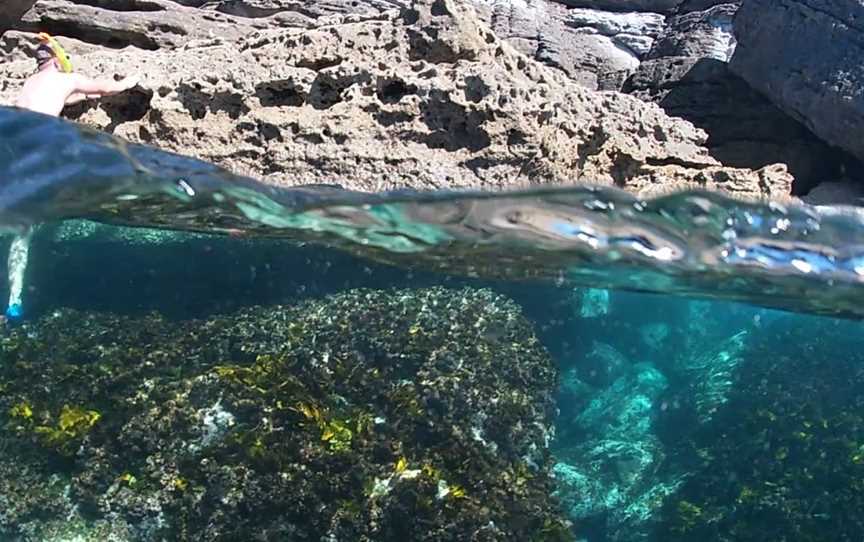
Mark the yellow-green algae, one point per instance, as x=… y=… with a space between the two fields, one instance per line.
x=353 y=417
x=782 y=459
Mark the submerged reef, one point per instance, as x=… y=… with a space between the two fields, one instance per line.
x=367 y=415
x=782 y=457
x=629 y=410
x=609 y=475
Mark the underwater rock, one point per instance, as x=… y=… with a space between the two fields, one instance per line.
x=79 y=230
x=706 y=362
x=424 y=97
x=783 y=457
x=573 y=393
x=626 y=406
x=710 y=372
x=335 y=419
x=654 y=335
x=602 y=365
x=609 y=461
x=592 y=302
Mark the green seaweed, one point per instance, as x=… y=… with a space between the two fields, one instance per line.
x=333 y=419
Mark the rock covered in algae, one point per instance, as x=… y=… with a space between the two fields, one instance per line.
x=369 y=415
x=782 y=458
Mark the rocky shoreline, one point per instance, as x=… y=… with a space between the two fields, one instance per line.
x=450 y=93
x=426 y=94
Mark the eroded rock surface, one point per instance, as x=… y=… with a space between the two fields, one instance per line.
x=596 y=48
x=805 y=55
x=425 y=96
x=146 y=24
x=687 y=74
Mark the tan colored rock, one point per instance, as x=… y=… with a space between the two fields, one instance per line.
x=147 y=24
x=425 y=96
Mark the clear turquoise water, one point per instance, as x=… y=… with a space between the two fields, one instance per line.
x=247 y=363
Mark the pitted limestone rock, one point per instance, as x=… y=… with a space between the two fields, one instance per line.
x=424 y=95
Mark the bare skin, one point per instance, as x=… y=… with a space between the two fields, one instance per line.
x=50 y=89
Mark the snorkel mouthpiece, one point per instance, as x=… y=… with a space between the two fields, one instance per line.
x=59 y=53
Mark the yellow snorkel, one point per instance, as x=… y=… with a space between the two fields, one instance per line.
x=59 y=53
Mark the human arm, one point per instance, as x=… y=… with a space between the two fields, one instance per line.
x=85 y=88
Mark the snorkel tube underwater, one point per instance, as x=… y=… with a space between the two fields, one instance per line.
x=20 y=247
x=18 y=254
x=59 y=53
